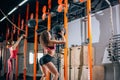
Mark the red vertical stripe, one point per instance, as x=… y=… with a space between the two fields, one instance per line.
x=16 y=75
x=12 y=34
x=35 y=40
x=25 y=43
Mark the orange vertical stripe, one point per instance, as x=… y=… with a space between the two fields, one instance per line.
x=66 y=36
x=49 y=15
x=14 y=28
x=90 y=40
x=49 y=22
x=25 y=43
x=35 y=40
x=16 y=75
x=12 y=34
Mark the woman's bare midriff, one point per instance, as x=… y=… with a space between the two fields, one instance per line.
x=51 y=52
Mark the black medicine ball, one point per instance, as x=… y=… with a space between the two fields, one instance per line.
x=57 y=29
x=31 y=23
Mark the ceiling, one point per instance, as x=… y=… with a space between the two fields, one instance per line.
x=76 y=10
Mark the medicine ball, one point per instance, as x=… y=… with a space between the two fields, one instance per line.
x=31 y=23
x=57 y=29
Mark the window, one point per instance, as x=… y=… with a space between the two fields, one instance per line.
x=31 y=56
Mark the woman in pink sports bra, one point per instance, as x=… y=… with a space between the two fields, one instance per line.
x=49 y=47
x=13 y=53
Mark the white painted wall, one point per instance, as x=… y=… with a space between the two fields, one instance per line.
x=74 y=31
x=74 y=34
x=101 y=32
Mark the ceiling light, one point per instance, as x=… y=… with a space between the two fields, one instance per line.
x=22 y=2
x=2 y=18
x=12 y=10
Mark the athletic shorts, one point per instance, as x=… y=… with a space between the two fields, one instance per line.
x=45 y=59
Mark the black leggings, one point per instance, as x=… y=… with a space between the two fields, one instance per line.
x=45 y=59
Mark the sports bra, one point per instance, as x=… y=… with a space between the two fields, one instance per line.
x=13 y=53
x=51 y=47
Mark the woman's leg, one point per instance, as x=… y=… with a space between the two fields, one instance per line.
x=9 y=73
x=53 y=70
x=44 y=72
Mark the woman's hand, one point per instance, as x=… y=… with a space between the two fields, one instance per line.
x=23 y=36
x=61 y=33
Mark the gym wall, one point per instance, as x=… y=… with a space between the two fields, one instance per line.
x=101 y=32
